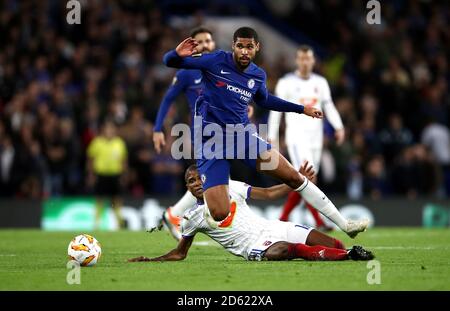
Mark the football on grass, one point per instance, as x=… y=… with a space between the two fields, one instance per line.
x=84 y=249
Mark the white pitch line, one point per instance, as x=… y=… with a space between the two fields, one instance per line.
x=401 y=234
x=407 y=247
x=123 y=253
x=205 y=243
x=7 y=255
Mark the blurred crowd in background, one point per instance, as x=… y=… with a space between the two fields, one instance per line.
x=58 y=82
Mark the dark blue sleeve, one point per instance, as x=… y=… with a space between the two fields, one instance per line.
x=197 y=61
x=266 y=100
x=174 y=90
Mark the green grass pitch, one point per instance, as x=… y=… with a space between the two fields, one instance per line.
x=410 y=259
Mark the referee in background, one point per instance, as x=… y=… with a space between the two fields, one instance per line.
x=107 y=162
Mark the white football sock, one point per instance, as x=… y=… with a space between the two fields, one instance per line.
x=314 y=196
x=187 y=201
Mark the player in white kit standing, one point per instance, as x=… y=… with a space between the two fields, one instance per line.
x=303 y=135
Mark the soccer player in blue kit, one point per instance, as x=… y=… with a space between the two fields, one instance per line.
x=189 y=82
x=231 y=82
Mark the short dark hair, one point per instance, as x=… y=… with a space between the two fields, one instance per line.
x=305 y=48
x=245 y=32
x=200 y=29
x=191 y=168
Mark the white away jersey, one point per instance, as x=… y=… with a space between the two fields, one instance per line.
x=240 y=230
x=314 y=91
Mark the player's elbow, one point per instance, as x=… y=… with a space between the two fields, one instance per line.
x=166 y=60
x=169 y=59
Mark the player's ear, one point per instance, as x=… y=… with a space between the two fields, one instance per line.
x=257 y=47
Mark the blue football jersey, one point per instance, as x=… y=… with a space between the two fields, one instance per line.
x=227 y=90
x=185 y=81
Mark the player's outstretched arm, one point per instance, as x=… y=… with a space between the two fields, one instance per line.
x=279 y=191
x=176 y=254
x=271 y=102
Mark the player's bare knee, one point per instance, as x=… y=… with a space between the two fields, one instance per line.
x=219 y=214
x=278 y=251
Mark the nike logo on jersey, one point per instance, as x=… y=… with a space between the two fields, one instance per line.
x=224 y=72
x=197 y=81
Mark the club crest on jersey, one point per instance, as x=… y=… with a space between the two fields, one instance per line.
x=203 y=177
x=251 y=83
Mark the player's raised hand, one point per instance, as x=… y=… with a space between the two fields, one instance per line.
x=307 y=170
x=158 y=141
x=313 y=112
x=187 y=47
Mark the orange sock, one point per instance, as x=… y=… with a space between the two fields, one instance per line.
x=172 y=218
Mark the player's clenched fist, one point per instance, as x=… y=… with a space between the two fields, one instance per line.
x=313 y=112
